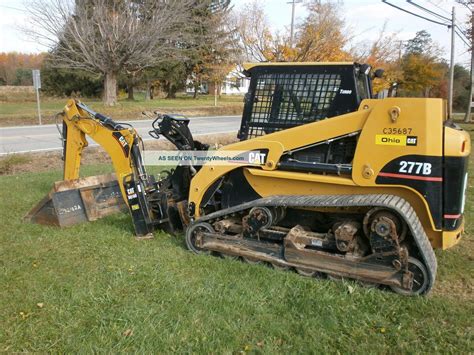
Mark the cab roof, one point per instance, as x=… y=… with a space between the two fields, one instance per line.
x=248 y=66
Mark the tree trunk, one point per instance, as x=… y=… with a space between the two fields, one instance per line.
x=148 y=90
x=170 y=90
x=215 y=94
x=110 y=89
x=130 y=92
x=196 y=89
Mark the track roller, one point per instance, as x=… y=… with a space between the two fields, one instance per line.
x=192 y=233
x=307 y=272
x=420 y=279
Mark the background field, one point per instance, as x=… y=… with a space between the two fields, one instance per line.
x=93 y=287
x=18 y=108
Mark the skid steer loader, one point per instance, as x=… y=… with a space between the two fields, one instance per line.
x=347 y=185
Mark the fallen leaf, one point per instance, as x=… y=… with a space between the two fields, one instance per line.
x=24 y=315
x=128 y=333
x=40 y=305
x=350 y=289
x=260 y=343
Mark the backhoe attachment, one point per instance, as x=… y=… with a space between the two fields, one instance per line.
x=79 y=200
x=152 y=203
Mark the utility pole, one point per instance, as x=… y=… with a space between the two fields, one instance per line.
x=450 y=23
x=451 y=69
x=467 y=118
x=293 y=5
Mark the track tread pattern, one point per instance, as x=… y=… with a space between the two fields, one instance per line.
x=396 y=203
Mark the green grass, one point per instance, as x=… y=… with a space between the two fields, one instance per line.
x=27 y=111
x=101 y=290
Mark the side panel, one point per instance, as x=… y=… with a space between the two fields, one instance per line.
x=401 y=144
x=276 y=143
x=422 y=173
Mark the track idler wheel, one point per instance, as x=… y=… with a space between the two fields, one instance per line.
x=280 y=267
x=192 y=235
x=420 y=279
x=251 y=261
x=229 y=257
x=308 y=273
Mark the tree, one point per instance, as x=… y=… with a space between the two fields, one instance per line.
x=107 y=36
x=462 y=83
x=381 y=53
x=172 y=77
x=321 y=36
x=253 y=34
x=219 y=55
x=66 y=82
x=15 y=68
x=422 y=68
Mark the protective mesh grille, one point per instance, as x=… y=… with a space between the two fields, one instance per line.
x=285 y=100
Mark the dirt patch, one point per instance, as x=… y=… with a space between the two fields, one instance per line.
x=12 y=164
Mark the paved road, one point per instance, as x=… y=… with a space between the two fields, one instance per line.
x=24 y=139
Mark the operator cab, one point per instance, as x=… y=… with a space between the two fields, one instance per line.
x=286 y=95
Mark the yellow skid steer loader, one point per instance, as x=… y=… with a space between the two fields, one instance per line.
x=347 y=185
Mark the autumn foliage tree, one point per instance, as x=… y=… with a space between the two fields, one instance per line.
x=13 y=66
x=319 y=37
x=422 y=68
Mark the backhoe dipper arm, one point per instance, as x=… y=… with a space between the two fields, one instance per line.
x=121 y=144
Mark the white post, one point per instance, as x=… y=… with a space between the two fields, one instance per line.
x=38 y=102
x=37 y=86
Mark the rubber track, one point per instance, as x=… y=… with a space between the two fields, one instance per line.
x=396 y=203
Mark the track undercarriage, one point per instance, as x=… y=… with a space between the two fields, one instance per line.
x=376 y=239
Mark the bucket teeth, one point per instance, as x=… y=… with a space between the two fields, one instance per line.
x=76 y=201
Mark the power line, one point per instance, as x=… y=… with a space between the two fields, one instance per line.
x=463 y=32
x=462 y=39
x=412 y=13
x=428 y=11
x=438 y=7
x=13 y=8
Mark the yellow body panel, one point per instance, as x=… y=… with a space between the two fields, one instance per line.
x=411 y=122
x=403 y=118
x=456 y=143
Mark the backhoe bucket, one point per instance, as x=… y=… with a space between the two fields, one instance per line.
x=81 y=200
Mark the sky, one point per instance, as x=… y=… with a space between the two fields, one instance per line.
x=364 y=20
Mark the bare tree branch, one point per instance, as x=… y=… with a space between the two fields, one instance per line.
x=107 y=36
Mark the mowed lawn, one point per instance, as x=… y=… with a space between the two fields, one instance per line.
x=93 y=287
x=17 y=113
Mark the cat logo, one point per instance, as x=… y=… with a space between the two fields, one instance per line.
x=123 y=142
x=257 y=158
